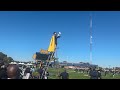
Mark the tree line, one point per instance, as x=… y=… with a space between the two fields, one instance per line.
x=5 y=58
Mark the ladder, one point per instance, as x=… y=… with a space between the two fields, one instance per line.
x=50 y=57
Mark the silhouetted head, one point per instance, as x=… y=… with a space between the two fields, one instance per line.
x=54 y=33
x=94 y=68
x=12 y=71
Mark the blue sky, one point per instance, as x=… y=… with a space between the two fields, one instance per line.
x=25 y=32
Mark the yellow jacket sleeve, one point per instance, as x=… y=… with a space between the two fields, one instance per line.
x=52 y=45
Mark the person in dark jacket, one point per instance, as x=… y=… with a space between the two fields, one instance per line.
x=40 y=71
x=93 y=73
x=64 y=75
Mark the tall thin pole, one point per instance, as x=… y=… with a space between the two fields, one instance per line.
x=91 y=39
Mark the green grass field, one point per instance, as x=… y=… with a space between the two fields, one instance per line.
x=76 y=75
x=53 y=74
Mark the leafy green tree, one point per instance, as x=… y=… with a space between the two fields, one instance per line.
x=2 y=55
x=5 y=58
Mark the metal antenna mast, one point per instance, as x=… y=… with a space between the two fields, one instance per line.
x=91 y=39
